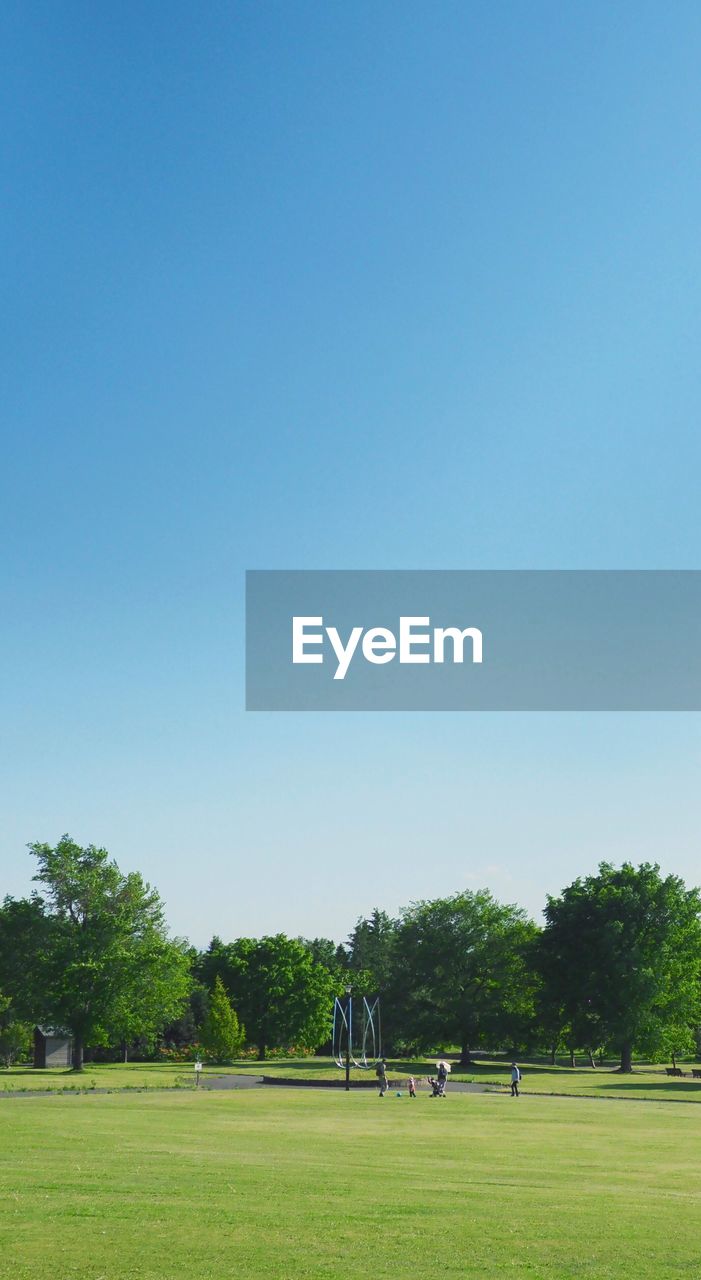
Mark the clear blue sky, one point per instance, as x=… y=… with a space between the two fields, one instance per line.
x=318 y=285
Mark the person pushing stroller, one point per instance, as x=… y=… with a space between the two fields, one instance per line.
x=438 y=1082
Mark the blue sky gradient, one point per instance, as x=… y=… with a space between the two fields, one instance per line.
x=319 y=286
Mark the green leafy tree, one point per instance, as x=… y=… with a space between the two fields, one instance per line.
x=674 y=1041
x=282 y=994
x=15 y=1036
x=463 y=964
x=371 y=948
x=184 y=1030
x=333 y=956
x=221 y=1036
x=562 y=1017
x=25 y=935
x=550 y=1022
x=94 y=951
x=154 y=983
x=623 y=950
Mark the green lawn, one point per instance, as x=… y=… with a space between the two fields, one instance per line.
x=289 y=1184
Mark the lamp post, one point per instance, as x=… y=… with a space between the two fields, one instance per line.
x=349 y=1012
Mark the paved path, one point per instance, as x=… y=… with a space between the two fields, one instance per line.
x=248 y=1082
x=231 y=1082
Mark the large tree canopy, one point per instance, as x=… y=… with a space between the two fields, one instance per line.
x=622 y=951
x=96 y=948
x=463 y=971
x=283 y=996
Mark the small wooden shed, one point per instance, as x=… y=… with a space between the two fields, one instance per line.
x=52 y=1047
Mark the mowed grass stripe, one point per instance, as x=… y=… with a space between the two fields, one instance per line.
x=295 y=1184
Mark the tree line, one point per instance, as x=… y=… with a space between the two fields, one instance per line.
x=615 y=969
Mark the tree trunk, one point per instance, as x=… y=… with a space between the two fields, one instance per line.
x=465 y=1059
x=261 y=1052
x=674 y=1060
x=125 y=1051
x=626 y=1057
x=77 y=1056
x=591 y=1058
x=573 y=1061
x=552 y=1055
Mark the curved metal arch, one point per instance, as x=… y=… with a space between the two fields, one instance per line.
x=371 y=1015
x=342 y=1030
x=340 y=1020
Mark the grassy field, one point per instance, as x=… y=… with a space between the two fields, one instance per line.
x=648 y=1082
x=290 y=1184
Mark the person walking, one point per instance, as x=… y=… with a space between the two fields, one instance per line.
x=381 y=1073
x=515 y=1079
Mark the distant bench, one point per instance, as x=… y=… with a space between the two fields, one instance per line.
x=677 y=1071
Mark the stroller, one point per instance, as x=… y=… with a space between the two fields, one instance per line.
x=437 y=1087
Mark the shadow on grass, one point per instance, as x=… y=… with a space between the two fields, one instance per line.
x=50 y=1073
x=282 y=1064
x=669 y=1087
x=93 y=1068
